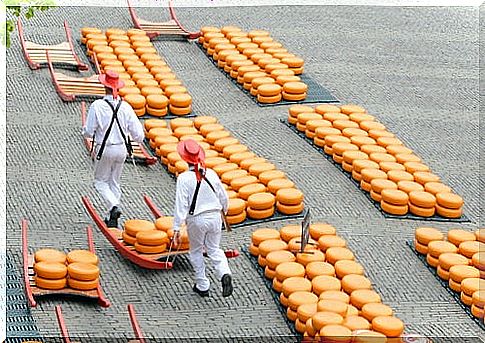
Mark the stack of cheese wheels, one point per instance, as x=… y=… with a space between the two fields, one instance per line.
x=294 y=284
x=137 y=102
x=295 y=64
x=50 y=269
x=289 y=201
x=83 y=270
x=449 y=205
x=294 y=91
x=184 y=243
x=478 y=304
x=157 y=105
x=261 y=235
x=436 y=248
x=423 y=236
x=236 y=212
x=151 y=241
x=260 y=205
x=133 y=227
x=284 y=271
x=267 y=246
x=269 y=93
x=378 y=185
x=295 y=110
x=478 y=261
x=303 y=118
x=394 y=201
x=180 y=104
x=89 y=30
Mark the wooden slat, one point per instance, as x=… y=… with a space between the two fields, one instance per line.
x=81 y=84
x=35 y=46
x=55 y=60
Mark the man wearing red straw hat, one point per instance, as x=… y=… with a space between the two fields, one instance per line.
x=199 y=199
x=109 y=121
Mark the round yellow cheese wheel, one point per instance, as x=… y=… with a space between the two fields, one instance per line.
x=432 y=261
x=234 y=149
x=83 y=285
x=382 y=157
x=319 y=229
x=311 y=256
x=291 y=314
x=50 y=270
x=296 y=284
x=328 y=108
x=448 y=212
x=422 y=249
x=332 y=305
x=394 y=197
x=236 y=206
x=269 y=89
x=289 y=196
x=372 y=310
x=413 y=167
x=477 y=312
x=478 y=299
x=448 y=260
x=133 y=226
x=478 y=260
x=322 y=283
x=347 y=267
x=286 y=270
x=261 y=213
x=354 y=282
x=458 y=236
x=361 y=297
x=470 y=248
x=388 y=325
x=397 y=149
x=83 y=271
x=425 y=235
x=471 y=285
x=328 y=241
x=253 y=250
x=425 y=177
x=293 y=87
x=449 y=200
x=152 y=237
x=157 y=101
x=266 y=176
x=351 y=108
x=150 y=249
x=359 y=165
x=336 y=333
x=371 y=125
x=136 y=101
x=442 y=273
x=261 y=201
x=264 y=234
x=467 y=300
x=371 y=148
x=275 y=258
x=403 y=158
x=289 y=232
x=378 y=185
x=50 y=283
x=225 y=167
x=261 y=261
x=258 y=168
x=409 y=186
x=389 y=166
x=322 y=319
x=368 y=336
x=436 y=248
x=356 y=323
x=422 y=199
x=295 y=244
x=275 y=185
x=314 y=269
x=369 y=174
x=289 y=209
x=306 y=311
x=179 y=111
x=50 y=255
x=127 y=239
x=236 y=219
x=334 y=254
x=247 y=163
x=459 y=272
x=421 y=211
x=84 y=256
x=436 y=187
x=270 y=245
x=398 y=210
x=269 y=273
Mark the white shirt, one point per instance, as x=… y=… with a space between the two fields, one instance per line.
x=99 y=118
x=207 y=200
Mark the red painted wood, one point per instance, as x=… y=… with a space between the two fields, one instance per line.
x=33 y=65
x=25 y=260
x=135 y=325
x=80 y=65
x=192 y=35
x=62 y=325
x=101 y=298
x=62 y=94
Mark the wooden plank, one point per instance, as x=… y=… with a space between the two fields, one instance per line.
x=35 y=46
x=80 y=84
x=77 y=80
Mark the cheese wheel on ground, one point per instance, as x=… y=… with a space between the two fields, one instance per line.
x=394 y=197
x=289 y=196
x=306 y=311
x=314 y=269
x=478 y=260
x=470 y=248
x=369 y=336
x=346 y=267
x=84 y=256
x=422 y=249
x=328 y=241
x=477 y=312
x=295 y=245
x=264 y=234
x=436 y=187
x=286 y=270
x=236 y=206
x=275 y=258
x=458 y=236
x=478 y=299
x=448 y=212
x=459 y=272
x=448 y=260
x=296 y=284
x=225 y=167
x=334 y=254
x=322 y=319
x=136 y=101
x=50 y=270
x=269 y=273
x=270 y=245
x=289 y=232
x=152 y=237
x=354 y=282
x=83 y=271
x=50 y=283
x=422 y=199
x=432 y=261
x=261 y=201
x=436 y=248
x=373 y=310
x=356 y=323
x=275 y=185
x=311 y=256
x=331 y=305
x=425 y=235
x=409 y=186
x=50 y=255
x=378 y=185
x=324 y=283
x=236 y=219
x=150 y=249
x=289 y=209
x=319 y=229
x=237 y=183
x=361 y=297
x=471 y=285
x=388 y=325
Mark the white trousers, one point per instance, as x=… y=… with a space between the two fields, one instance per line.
x=107 y=173
x=204 y=230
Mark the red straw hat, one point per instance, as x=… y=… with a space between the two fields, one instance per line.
x=111 y=80
x=192 y=153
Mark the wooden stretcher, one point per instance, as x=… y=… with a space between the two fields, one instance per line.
x=69 y=87
x=134 y=323
x=60 y=54
x=148 y=261
x=34 y=292
x=140 y=154
x=173 y=27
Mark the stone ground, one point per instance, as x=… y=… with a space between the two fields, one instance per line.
x=416 y=69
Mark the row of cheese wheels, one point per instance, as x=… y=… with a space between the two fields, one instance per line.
x=460 y=260
x=152 y=238
x=254 y=185
x=384 y=166
x=55 y=270
x=150 y=85
x=324 y=288
x=257 y=62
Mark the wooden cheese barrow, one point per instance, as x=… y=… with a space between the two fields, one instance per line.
x=34 y=292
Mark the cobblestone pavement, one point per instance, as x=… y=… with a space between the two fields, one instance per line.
x=416 y=69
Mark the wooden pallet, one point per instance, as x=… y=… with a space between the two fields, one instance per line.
x=69 y=87
x=60 y=54
x=140 y=154
x=35 y=292
x=172 y=27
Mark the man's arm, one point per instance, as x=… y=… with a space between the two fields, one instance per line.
x=221 y=194
x=91 y=123
x=181 y=205
x=134 y=126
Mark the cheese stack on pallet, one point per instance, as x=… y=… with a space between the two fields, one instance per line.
x=132 y=55
x=50 y=269
x=324 y=289
x=374 y=156
x=459 y=260
x=261 y=65
x=83 y=270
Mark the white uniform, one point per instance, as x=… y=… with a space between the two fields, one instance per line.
x=204 y=226
x=107 y=170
